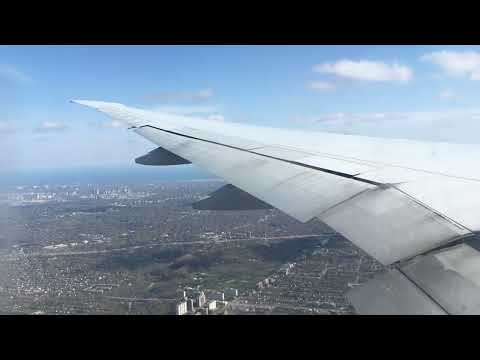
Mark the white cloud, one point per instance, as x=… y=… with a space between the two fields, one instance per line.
x=216 y=117
x=364 y=70
x=456 y=62
x=114 y=124
x=333 y=118
x=204 y=94
x=13 y=74
x=345 y=118
x=7 y=127
x=321 y=86
x=200 y=95
x=447 y=94
x=50 y=126
x=461 y=126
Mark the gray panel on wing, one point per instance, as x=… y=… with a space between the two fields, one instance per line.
x=446 y=279
x=389 y=225
x=319 y=161
x=392 y=294
x=229 y=140
x=453 y=197
x=394 y=175
x=282 y=152
x=451 y=277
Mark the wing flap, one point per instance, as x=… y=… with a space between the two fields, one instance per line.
x=445 y=281
x=392 y=294
x=454 y=198
x=451 y=277
x=390 y=226
x=349 y=167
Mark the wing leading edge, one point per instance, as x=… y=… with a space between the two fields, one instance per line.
x=394 y=211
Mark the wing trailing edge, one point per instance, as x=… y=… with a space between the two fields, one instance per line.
x=445 y=281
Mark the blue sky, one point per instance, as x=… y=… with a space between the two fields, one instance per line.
x=419 y=92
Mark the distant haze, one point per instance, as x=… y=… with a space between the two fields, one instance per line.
x=125 y=175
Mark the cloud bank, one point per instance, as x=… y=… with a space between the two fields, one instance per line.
x=321 y=86
x=447 y=94
x=11 y=73
x=459 y=63
x=200 y=95
x=50 y=126
x=364 y=70
x=7 y=127
x=458 y=126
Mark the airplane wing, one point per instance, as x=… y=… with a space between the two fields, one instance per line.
x=408 y=204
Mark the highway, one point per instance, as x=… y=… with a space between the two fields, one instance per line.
x=166 y=244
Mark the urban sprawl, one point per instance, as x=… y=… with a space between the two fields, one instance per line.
x=143 y=249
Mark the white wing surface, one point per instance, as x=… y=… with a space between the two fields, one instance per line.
x=395 y=199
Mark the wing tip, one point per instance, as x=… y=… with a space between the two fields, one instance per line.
x=114 y=110
x=90 y=103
